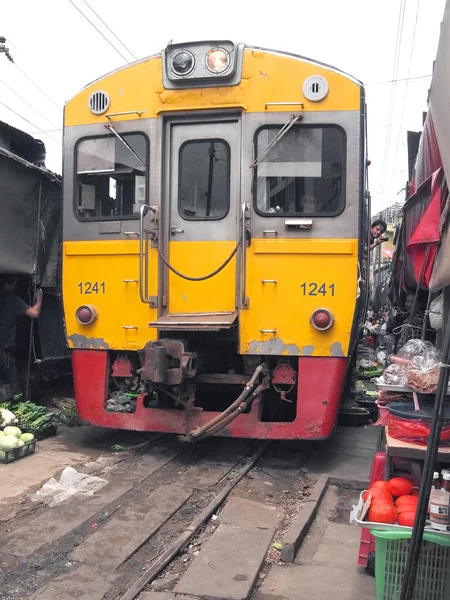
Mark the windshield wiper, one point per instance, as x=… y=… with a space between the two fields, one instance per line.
x=292 y=121
x=111 y=128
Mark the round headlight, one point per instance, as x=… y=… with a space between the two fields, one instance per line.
x=183 y=62
x=217 y=60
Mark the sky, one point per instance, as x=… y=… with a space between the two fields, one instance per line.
x=54 y=45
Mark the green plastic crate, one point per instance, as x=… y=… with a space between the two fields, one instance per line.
x=433 y=572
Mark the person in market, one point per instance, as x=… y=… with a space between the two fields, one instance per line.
x=376 y=233
x=12 y=308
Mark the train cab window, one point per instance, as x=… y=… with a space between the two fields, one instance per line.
x=111 y=177
x=302 y=174
x=204 y=180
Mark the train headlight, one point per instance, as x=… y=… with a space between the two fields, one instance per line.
x=217 y=60
x=182 y=63
x=86 y=314
x=322 y=319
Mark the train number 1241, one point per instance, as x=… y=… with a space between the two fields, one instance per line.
x=316 y=289
x=88 y=287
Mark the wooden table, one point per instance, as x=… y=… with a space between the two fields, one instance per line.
x=415 y=452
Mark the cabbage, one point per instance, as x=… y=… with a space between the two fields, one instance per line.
x=1 y=433
x=21 y=446
x=11 y=430
x=8 y=442
x=27 y=437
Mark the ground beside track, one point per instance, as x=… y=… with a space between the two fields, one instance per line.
x=96 y=547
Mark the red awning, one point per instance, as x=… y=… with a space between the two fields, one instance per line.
x=422 y=246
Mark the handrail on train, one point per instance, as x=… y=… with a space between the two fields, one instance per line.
x=144 y=237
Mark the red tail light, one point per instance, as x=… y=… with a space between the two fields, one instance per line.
x=322 y=319
x=86 y=314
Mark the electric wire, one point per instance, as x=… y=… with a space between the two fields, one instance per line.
x=36 y=86
x=109 y=29
x=398 y=43
x=29 y=105
x=405 y=94
x=398 y=80
x=99 y=31
x=27 y=121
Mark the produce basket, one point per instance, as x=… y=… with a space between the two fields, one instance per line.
x=388 y=527
x=433 y=570
x=7 y=456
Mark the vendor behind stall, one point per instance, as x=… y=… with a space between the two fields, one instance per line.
x=12 y=308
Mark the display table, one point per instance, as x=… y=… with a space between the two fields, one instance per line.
x=416 y=452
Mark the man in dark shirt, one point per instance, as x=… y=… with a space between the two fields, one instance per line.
x=12 y=308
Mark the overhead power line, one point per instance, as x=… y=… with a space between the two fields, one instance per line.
x=11 y=59
x=398 y=80
x=98 y=31
x=398 y=43
x=109 y=29
x=28 y=104
x=404 y=95
x=29 y=122
x=37 y=86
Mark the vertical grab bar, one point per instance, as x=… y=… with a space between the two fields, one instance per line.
x=244 y=301
x=143 y=255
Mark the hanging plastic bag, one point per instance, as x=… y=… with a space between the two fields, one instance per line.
x=416 y=347
x=423 y=374
x=436 y=312
x=393 y=375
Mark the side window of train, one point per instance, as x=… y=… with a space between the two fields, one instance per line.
x=204 y=180
x=303 y=172
x=111 y=177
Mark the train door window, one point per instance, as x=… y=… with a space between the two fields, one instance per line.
x=204 y=180
x=111 y=177
x=302 y=174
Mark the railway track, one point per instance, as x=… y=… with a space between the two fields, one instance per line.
x=151 y=521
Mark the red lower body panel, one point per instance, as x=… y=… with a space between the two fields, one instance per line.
x=320 y=384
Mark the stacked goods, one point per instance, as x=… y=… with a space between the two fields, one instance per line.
x=417 y=365
x=392 y=502
x=32 y=418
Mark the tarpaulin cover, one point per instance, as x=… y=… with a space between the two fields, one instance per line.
x=428 y=159
x=422 y=216
x=30 y=241
x=31 y=220
x=439 y=105
x=415 y=431
x=440 y=277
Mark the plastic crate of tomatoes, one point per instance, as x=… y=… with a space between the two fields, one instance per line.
x=389 y=505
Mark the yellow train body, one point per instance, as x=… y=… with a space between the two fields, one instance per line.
x=282 y=272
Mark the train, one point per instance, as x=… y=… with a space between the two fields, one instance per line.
x=215 y=242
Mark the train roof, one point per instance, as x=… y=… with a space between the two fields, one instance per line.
x=248 y=47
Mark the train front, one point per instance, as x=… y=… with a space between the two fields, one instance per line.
x=215 y=242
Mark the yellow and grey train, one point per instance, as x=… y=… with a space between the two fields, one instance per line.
x=215 y=242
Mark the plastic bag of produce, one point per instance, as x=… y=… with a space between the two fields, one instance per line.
x=436 y=312
x=415 y=347
x=423 y=374
x=394 y=375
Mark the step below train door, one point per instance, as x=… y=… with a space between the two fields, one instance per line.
x=202 y=183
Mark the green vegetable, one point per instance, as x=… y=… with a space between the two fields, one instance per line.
x=27 y=437
x=11 y=430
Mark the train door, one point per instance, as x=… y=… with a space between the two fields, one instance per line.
x=201 y=200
